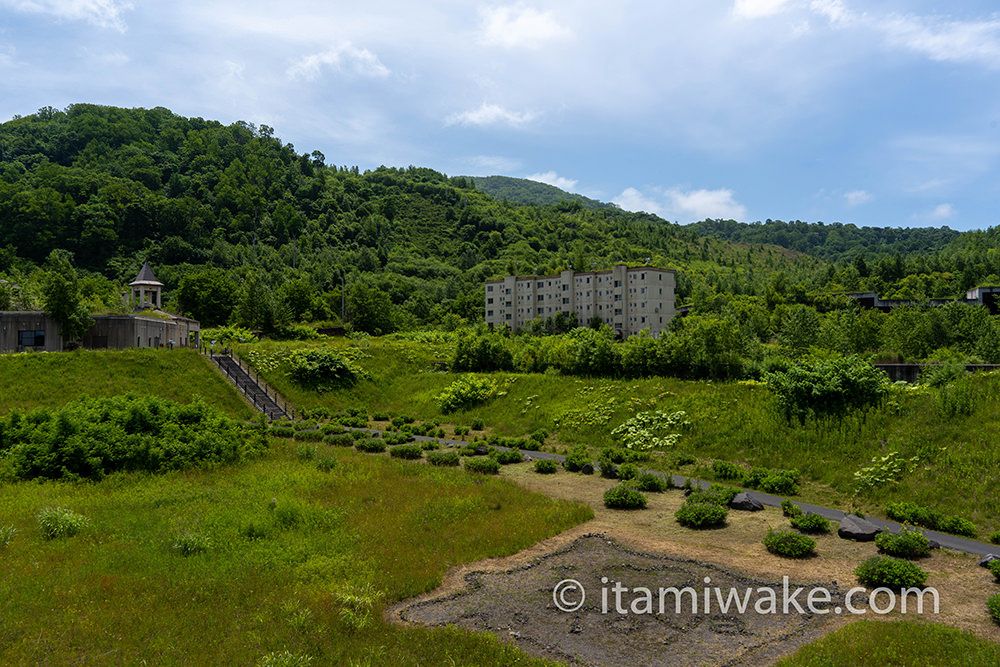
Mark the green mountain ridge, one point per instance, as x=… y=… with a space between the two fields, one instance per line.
x=526 y=191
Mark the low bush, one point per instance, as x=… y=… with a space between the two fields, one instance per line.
x=699 y=515
x=927 y=517
x=189 y=544
x=466 y=392
x=476 y=425
x=790 y=509
x=727 y=470
x=304 y=425
x=539 y=436
x=322 y=369
x=995 y=537
x=281 y=431
x=576 y=458
x=483 y=465
x=546 y=467
x=716 y=494
x=340 y=440
x=380 y=417
x=306 y=452
x=311 y=436
x=627 y=471
x=905 y=544
x=59 y=522
x=406 y=452
x=624 y=497
x=789 y=544
x=326 y=463
x=395 y=438
x=506 y=457
x=652 y=482
x=888 y=572
x=993 y=605
x=683 y=459
x=370 y=446
x=332 y=429
x=450 y=458
x=993 y=566
x=6 y=535
x=810 y=523
x=781 y=482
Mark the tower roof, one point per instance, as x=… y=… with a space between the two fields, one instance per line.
x=145 y=277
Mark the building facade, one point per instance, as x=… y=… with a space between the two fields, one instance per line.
x=628 y=299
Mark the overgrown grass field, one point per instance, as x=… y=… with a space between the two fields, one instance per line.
x=53 y=379
x=230 y=565
x=946 y=437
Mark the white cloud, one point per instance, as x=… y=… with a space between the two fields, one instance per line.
x=752 y=9
x=495 y=164
x=345 y=58
x=942 y=212
x=104 y=13
x=857 y=198
x=950 y=41
x=490 y=114
x=554 y=179
x=519 y=26
x=685 y=206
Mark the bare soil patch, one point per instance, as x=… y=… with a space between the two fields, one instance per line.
x=513 y=597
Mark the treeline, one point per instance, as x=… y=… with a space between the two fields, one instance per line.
x=743 y=340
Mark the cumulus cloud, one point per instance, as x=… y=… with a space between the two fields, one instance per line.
x=490 y=114
x=104 y=13
x=942 y=212
x=686 y=206
x=857 y=198
x=495 y=164
x=554 y=179
x=345 y=58
x=752 y=9
x=519 y=27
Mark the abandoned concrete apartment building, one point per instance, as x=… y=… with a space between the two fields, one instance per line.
x=148 y=325
x=628 y=299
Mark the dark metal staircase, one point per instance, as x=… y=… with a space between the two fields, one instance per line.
x=256 y=390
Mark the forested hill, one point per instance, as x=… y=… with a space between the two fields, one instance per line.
x=524 y=191
x=241 y=226
x=832 y=242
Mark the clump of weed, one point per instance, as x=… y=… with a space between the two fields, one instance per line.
x=546 y=467
x=789 y=544
x=810 y=523
x=905 y=544
x=6 y=535
x=59 y=522
x=888 y=572
x=652 y=482
x=285 y=659
x=624 y=497
x=188 y=543
x=790 y=509
x=443 y=458
x=483 y=465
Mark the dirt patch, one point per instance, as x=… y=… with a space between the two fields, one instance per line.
x=513 y=597
x=619 y=624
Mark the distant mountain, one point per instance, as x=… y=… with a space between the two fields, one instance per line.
x=524 y=191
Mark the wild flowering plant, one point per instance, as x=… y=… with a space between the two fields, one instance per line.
x=652 y=430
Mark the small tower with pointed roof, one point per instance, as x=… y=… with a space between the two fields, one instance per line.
x=146 y=289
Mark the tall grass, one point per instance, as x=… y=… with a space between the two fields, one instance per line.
x=228 y=566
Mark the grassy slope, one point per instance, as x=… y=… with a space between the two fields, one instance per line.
x=958 y=469
x=48 y=380
x=295 y=577
x=896 y=644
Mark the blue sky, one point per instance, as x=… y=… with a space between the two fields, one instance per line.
x=880 y=113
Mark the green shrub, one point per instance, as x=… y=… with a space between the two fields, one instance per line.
x=781 y=482
x=450 y=458
x=956 y=525
x=993 y=605
x=926 y=517
x=484 y=465
x=539 y=436
x=576 y=458
x=652 y=482
x=828 y=388
x=546 y=466
x=995 y=537
x=6 y=535
x=285 y=659
x=476 y=425
x=727 y=470
x=888 y=572
x=994 y=567
x=790 y=509
x=370 y=446
x=189 y=544
x=332 y=429
x=683 y=459
x=322 y=369
x=905 y=544
x=326 y=463
x=92 y=438
x=506 y=457
x=789 y=544
x=380 y=417
x=810 y=523
x=339 y=440
x=311 y=436
x=281 y=431
x=305 y=425
x=406 y=452
x=59 y=522
x=466 y=392
x=395 y=438
x=624 y=497
x=699 y=515
x=627 y=471
x=716 y=494
x=306 y=452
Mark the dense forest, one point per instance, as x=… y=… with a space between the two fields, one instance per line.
x=243 y=228
x=524 y=191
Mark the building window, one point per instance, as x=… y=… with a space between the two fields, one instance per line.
x=618 y=283
x=31 y=338
x=489 y=288
x=489 y=300
x=508 y=316
x=565 y=300
x=618 y=297
x=489 y=313
x=541 y=297
x=618 y=312
x=541 y=311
